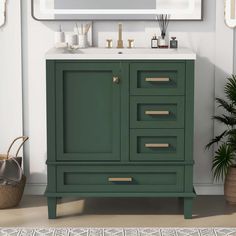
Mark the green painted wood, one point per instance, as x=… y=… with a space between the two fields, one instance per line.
x=51 y=110
x=121 y=164
x=140 y=137
x=121 y=194
x=139 y=71
x=189 y=123
x=96 y=130
x=51 y=129
x=125 y=106
x=188 y=206
x=140 y=104
x=88 y=111
x=96 y=179
x=52 y=207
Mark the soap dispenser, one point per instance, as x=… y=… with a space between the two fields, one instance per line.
x=154 y=42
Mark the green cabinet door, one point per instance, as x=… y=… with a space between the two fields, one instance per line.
x=88 y=111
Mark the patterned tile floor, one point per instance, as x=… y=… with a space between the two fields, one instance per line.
x=118 y=231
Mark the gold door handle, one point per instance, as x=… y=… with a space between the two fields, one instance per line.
x=157 y=79
x=116 y=80
x=157 y=145
x=129 y=179
x=157 y=113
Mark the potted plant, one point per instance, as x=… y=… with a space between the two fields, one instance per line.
x=224 y=161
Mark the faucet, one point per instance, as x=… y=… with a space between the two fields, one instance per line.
x=120 y=40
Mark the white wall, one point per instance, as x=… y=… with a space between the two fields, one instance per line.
x=10 y=77
x=200 y=36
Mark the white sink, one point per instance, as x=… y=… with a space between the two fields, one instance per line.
x=123 y=51
x=120 y=54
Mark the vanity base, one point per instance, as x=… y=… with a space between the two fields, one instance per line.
x=187 y=199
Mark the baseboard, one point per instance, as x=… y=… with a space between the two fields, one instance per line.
x=209 y=189
x=35 y=189
x=201 y=189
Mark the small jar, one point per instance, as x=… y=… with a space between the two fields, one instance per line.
x=154 y=42
x=173 y=42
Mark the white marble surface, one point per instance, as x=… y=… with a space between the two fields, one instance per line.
x=121 y=54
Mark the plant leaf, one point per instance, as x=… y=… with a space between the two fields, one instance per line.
x=223 y=159
x=227 y=120
x=217 y=139
x=227 y=106
x=230 y=89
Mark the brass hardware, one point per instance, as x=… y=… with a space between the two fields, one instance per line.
x=120 y=41
x=157 y=113
x=129 y=179
x=157 y=145
x=157 y=79
x=130 y=43
x=116 y=80
x=109 y=43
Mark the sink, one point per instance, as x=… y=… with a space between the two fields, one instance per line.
x=124 y=51
x=121 y=54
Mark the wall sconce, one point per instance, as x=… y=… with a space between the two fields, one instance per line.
x=230 y=13
x=3 y=6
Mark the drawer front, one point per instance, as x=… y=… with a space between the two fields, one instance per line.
x=162 y=78
x=120 y=179
x=156 y=112
x=157 y=145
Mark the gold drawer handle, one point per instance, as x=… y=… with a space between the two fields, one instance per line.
x=157 y=145
x=157 y=79
x=157 y=113
x=120 y=179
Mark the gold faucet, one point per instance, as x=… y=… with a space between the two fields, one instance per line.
x=120 y=41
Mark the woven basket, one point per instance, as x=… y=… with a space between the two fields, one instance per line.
x=10 y=195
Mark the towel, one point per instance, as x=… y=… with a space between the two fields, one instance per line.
x=10 y=171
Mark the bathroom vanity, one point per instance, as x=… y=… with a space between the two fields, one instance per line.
x=120 y=124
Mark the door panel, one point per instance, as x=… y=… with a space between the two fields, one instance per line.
x=88 y=111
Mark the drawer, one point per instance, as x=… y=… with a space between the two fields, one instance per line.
x=120 y=179
x=157 y=145
x=161 y=78
x=156 y=112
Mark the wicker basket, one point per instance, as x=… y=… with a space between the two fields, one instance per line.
x=10 y=195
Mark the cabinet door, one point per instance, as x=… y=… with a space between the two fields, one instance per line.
x=88 y=111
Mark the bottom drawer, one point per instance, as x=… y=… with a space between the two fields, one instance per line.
x=120 y=179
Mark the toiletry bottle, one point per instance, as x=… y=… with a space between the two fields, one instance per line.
x=154 y=42
x=173 y=42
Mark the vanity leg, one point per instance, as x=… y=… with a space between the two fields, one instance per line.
x=188 y=206
x=52 y=207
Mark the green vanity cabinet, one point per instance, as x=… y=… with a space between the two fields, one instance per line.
x=120 y=128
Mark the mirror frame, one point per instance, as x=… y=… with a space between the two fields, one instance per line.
x=230 y=13
x=113 y=19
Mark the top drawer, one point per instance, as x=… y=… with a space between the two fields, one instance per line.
x=161 y=78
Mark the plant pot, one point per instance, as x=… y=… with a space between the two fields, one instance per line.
x=230 y=185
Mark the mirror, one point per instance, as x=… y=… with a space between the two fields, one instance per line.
x=230 y=13
x=116 y=9
x=2 y=12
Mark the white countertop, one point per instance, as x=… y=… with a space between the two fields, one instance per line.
x=121 y=54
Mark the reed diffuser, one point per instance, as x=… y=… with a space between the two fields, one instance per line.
x=163 y=21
